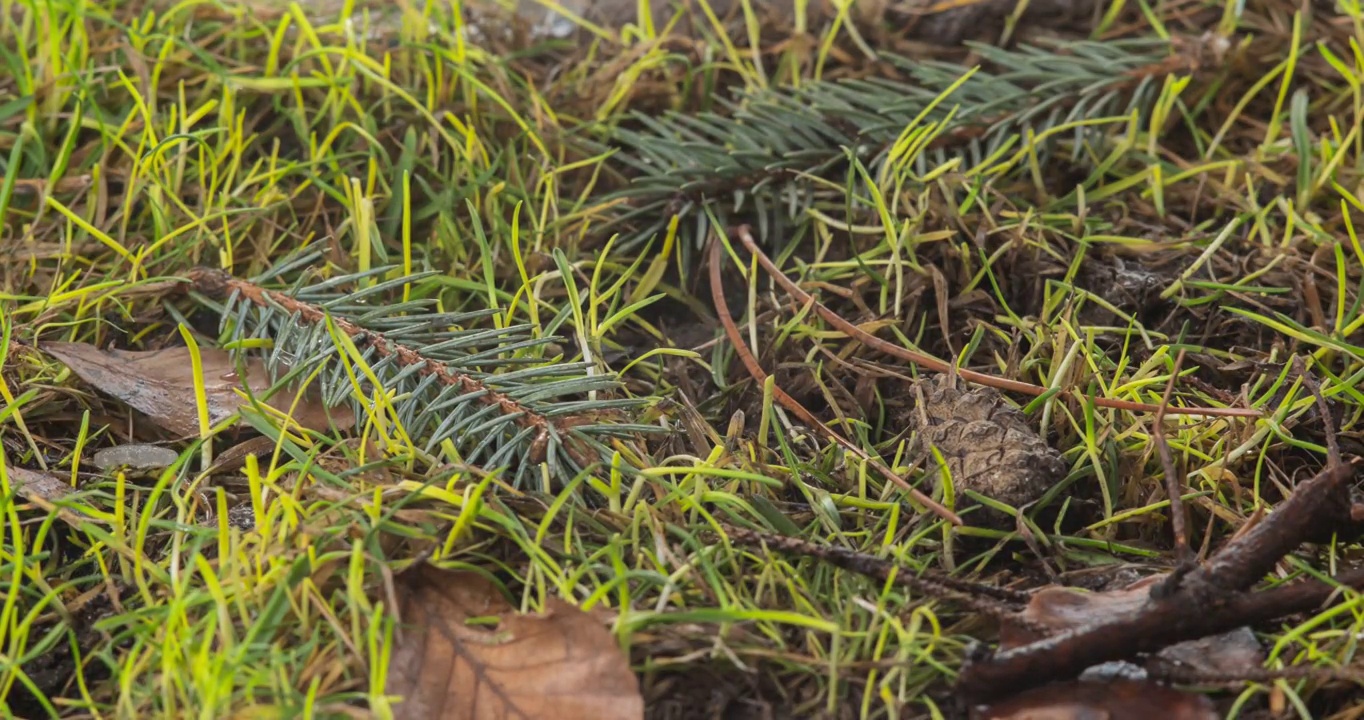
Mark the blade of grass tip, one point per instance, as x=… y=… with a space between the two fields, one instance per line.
x=741 y=349
x=16 y=158
x=13 y=403
x=1173 y=485
x=200 y=396
x=407 y=233
x=936 y=365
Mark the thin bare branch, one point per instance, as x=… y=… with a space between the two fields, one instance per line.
x=936 y=365
x=717 y=295
x=1174 y=487
x=986 y=599
x=1328 y=424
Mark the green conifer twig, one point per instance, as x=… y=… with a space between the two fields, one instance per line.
x=752 y=158
x=532 y=413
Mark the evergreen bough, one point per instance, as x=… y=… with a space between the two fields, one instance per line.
x=494 y=393
x=758 y=156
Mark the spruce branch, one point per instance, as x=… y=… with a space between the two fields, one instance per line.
x=222 y=284
x=755 y=154
x=482 y=389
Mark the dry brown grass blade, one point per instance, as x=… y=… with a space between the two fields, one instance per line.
x=936 y=365
x=1328 y=423
x=736 y=339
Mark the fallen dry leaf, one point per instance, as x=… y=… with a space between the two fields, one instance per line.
x=559 y=665
x=1110 y=700
x=45 y=490
x=234 y=457
x=1063 y=608
x=160 y=383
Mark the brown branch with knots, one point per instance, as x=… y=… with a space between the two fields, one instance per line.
x=1206 y=600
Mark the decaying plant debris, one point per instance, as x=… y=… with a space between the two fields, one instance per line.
x=361 y=357
x=1114 y=699
x=1051 y=611
x=157 y=382
x=563 y=663
x=1052 y=640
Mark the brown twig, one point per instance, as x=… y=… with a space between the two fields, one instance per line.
x=717 y=295
x=1158 y=625
x=1328 y=424
x=1209 y=601
x=986 y=599
x=1173 y=487
x=936 y=365
x=1164 y=671
x=1317 y=507
x=1322 y=502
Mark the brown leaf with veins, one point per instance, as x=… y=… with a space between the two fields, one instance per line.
x=160 y=383
x=558 y=665
x=1112 y=700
